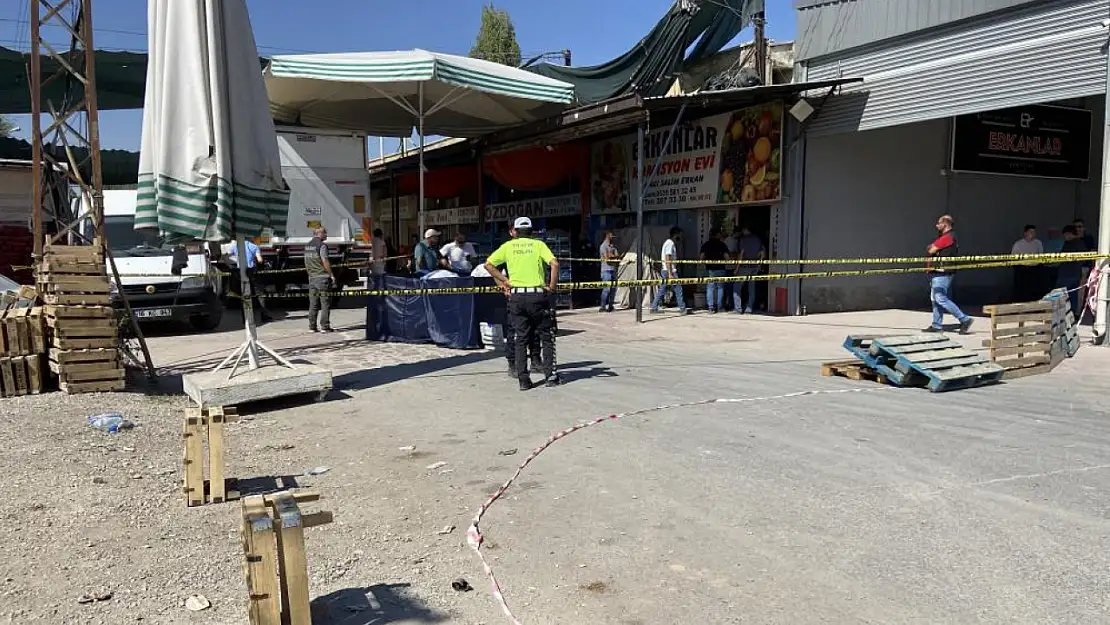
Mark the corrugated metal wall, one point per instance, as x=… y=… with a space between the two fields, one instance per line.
x=830 y=26
x=1048 y=52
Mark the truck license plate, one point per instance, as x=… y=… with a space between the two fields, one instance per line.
x=153 y=313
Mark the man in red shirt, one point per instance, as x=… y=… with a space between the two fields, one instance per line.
x=940 y=277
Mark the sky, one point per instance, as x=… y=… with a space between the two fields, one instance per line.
x=594 y=30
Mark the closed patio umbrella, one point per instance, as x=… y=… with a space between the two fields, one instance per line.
x=390 y=93
x=208 y=166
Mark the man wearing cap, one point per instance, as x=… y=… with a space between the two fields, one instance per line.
x=426 y=257
x=530 y=300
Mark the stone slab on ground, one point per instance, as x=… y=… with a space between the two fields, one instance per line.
x=214 y=388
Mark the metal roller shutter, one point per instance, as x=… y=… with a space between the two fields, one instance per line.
x=1052 y=51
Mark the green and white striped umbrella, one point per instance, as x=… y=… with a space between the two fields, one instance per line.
x=209 y=167
x=391 y=93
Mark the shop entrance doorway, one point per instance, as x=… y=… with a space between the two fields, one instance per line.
x=731 y=220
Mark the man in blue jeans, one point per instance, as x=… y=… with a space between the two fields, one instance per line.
x=715 y=250
x=749 y=247
x=940 y=277
x=668 y=256
x=608 y=253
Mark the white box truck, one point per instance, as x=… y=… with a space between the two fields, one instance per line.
x=329 y=186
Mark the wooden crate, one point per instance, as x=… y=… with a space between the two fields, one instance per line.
x=201 y=427
x=88 y=370
x=74 y=275
x=22 y=332
x=1021 y=337
x=21 y=375
x=82 y=327
x=276 y=559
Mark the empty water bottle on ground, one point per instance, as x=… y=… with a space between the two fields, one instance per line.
x=110 y=422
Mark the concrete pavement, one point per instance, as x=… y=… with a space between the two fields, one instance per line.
x=885 y=506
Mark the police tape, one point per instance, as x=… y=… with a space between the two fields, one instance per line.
x=646 y=282
x=474 y=536
x=1016 y=258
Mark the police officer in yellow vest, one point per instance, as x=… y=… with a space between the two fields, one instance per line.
x=530 y=300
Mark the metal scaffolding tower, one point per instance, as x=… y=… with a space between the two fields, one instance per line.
x=73 y=125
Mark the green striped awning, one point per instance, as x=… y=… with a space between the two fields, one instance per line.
x=385 y=93
x=185 y=209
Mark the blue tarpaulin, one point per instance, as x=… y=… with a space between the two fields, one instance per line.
x=446 y=320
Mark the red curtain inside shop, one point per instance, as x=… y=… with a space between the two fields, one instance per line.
x=536 y=169
x=440 y=184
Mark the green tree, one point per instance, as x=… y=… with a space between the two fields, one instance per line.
x=496 y=38
x=7 y=127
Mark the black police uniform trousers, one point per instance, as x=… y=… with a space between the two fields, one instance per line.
x=531 y=318
x=510 y=346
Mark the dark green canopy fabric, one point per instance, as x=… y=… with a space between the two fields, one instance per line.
x=120 y=81
x=651 y=65
x=118 y=167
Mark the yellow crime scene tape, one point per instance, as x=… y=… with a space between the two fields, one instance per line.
x=600 y=284
x=1011 y=259
x=1017 y=258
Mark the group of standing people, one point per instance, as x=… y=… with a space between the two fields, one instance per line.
x=717 y=251
x=1032 y=281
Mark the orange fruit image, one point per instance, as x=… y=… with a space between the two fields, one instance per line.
x=762 y=150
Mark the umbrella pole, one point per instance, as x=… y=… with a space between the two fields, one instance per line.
x=251 y=345
x=248 y=305
x=420 y=122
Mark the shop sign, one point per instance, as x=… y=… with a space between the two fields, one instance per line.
x=452 y=216
x=732 y=158
x=1037 y=141
x=558 y=206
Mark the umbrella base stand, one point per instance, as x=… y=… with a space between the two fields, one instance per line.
x=217 y=388
x=250 y=348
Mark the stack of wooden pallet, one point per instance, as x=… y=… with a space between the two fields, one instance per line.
x=932 y=361
x=22 y=343
x=84 y=346
x=1029 y=338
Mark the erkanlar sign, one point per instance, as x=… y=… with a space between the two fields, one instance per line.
x=1037 y=140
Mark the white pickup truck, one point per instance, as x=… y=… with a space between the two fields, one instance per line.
x=176 y=283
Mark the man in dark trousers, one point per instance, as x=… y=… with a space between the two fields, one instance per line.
x=530 y=301
x=319 y=281
x=510 y=341
x=940 y=277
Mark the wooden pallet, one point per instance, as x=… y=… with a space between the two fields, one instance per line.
x=276 y=560
x=853 y=370
x=88 y=370
x=931 y=361
x=1021 y=337
x=1030 y=338
x=22 y=332
x=21 y=375
x=207 y=427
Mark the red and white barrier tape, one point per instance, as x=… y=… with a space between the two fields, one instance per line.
x=474 y=535
x=1094 y=281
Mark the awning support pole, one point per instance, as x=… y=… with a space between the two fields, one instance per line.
x=420 y=121
x=645 y=183
x=1102 y=303
x=638 y=292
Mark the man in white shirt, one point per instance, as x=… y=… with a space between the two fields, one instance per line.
x=1028 y=278
x=460 y=255
x=668 y=255
x=378 y=253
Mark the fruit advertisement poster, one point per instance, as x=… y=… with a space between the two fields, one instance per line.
x=733 y=158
